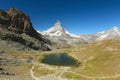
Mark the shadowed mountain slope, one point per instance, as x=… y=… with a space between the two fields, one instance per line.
x=16 y=26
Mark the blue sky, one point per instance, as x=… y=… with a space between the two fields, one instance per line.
x=77 y=16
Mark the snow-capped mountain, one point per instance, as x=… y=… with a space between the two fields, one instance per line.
x=107 y=34
x=58 y=34
x=58 y=30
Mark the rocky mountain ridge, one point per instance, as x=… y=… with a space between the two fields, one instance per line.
x=16 y=26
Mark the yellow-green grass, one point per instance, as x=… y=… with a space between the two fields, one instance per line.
x=100 y=60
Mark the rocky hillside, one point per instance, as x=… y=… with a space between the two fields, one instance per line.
x=16 y=27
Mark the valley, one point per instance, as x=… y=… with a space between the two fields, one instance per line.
x=97 y=62
x=56 y=54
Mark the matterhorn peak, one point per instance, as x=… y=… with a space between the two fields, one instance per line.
x=58 y=26
x=57 y=29
x=58 y=34
x=57 y=23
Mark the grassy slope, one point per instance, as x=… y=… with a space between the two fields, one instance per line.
x=99 y=61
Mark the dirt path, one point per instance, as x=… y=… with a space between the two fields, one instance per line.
x=47 y=77
x=59 y=77
x=32 y=73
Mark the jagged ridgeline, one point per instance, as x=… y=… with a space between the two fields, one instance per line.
x=15 y=26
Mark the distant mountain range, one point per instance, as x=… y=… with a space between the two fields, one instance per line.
x=59 y=34
x=103 y=35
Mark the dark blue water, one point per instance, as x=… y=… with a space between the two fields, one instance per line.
x=59 y=59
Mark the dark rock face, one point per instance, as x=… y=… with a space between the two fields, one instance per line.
x=17 y=27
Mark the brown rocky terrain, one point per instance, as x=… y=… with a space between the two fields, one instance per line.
x=19 y=43
x=15 y=26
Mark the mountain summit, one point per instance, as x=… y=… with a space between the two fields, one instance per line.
x=57 y=27
x=61 y=35
x=56 y=30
